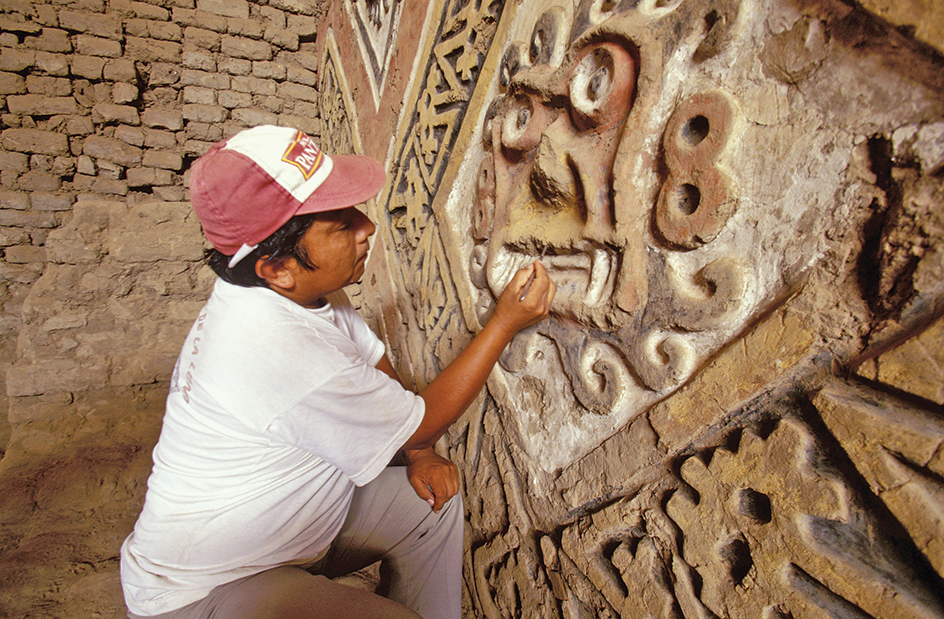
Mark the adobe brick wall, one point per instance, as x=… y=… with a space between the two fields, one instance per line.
x=112 y=100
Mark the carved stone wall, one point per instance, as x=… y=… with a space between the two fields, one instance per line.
x=736 y=406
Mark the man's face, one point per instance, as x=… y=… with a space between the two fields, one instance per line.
x=336 y=245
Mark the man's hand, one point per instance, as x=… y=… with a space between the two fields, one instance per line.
x=435 y=479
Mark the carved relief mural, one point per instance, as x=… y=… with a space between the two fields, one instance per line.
x=735 y=408
x=375 y=22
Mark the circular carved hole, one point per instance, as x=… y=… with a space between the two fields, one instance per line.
x=688 y=198
x=696 y=130
x=755 y=505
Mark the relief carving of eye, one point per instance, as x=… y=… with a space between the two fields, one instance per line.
x=602 y=86
x=547 y=38
x=523 y=122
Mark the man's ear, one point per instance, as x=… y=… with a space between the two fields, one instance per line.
x=276 y=272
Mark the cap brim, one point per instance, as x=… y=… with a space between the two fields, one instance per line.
x=354 y=179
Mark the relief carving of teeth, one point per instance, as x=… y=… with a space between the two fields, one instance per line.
x=602 y=277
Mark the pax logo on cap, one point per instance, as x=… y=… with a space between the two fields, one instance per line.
x=304 y=154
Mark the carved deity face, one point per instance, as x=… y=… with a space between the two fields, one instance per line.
x=546 y=186
x=629 y=183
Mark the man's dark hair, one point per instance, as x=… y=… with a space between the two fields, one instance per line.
x=283 y=243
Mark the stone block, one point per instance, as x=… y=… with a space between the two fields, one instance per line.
x=235 y=66
x=50 y=40
x=129 y=135
x=46 y=201
x=16 y=200
x=23 y=254
x=163 y=118
x=230 y=99
x=225 y=8
x=85 y=165
x=248 y=49
x=148 y=11
x=198 y=59
x=11 y=83
x=100 y=25
x=253 y=117
x=151 y=50
x=111 y=149
x=215 y=81
x=245 y=28
x=254 y=85
x=89 y=67
x=14 y=162
x=96 y=46
x=109 y=113
x=15 y=60
x=35 y=141
x=52 y=64
x=284 y=39
x=120 y=70
x=162 y=159
x=202 y=38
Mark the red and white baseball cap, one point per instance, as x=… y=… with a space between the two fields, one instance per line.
x=248 y=186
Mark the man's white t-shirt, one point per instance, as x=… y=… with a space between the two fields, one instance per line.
x=275 y=413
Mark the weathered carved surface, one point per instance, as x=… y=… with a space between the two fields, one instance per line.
x=740 y=203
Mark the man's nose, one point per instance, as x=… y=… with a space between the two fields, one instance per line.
x=365 y=227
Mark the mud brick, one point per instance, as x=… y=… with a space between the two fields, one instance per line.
x=96 y=46
x=11 y=83
x=198 y=59
x=202 y=38
x=120 y=70
x=50 y=40
x=205 y=113
x=90 y=23
x=110 y=112
x=45 y=201
x=49 y=86
x=35 y=141
x=162 y=118
x=226 y=8
x=111 y=149
x=88 y=66
x=249 y=49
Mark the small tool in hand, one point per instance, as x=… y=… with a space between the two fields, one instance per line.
x=527 y=284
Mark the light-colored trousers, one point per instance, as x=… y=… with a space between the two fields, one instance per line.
x=421 y=572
